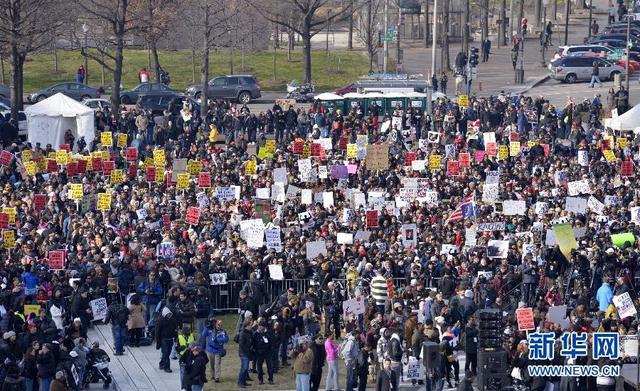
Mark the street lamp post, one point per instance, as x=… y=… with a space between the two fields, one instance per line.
x=85 y=29
x=385 y=58
x=629 y=16
x=590 y=19
x=543 y=43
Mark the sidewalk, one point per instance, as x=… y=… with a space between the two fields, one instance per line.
x=497 y=74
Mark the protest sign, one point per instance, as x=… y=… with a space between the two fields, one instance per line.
x=413 y=370
x=204 y=180
x=273 y=239
x=250 y=167
x=514 y=208
x=525 y=320
x=4 y=220
x=166 y=250
x=252 y=231
x=75 y=191
x=106 y=139
x=622 y=239
x=218 y=278
x=183 y=181
x=626 y=168
x=453 y=168
x=490 y=227
x=275 y=272
x=9 y=238
x=624 y=305
x=99 y=308
x=490 y=193
x=57 y=259
x=464 y=158
x=578 y=187
x=377 y=156
x=372 y=218
x=318 y=247
x=497 y=249
x=6 y=158
x=193 y=215
x=575 y=205
x=117 y=177
x=104 y=201
x=344 y=238
x=351 y=308
x=435 y=161
x=566 y=239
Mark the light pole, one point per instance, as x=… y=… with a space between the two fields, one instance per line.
x=85 y=29
x=543 y=42
x=629 y=17
x=385 y=43
x=434 y=34
x=590 y=19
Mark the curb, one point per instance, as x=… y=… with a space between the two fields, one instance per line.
x=527 y=87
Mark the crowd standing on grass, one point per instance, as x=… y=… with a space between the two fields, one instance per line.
x=425 y=200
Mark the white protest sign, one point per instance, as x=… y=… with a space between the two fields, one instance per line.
x=583 y=158
x=513 y=207
x=99 y=308
x=635 y=214
x=412 y=369
x=578 y=187
x=275 y=272
x=327 y=199
x=252 y=231
x=470 y=234
x=273 y=238
x=596 y=206
x=218 y=278
x=490 y=193
x=292 y=192
x=304 y=166
x=493 y=177
x=353 y=307
x=306 y=197
x=409 y=235
x=575 y=205
x=550 y=238
x=280 y=175
x=142 y=214
x=362 y=236
x=498 y=249
x=263 y=193
x=225 y=193
x=625 y=305
x=316 y=248
x=277 y=192
x=345 y=238
x=322 y=172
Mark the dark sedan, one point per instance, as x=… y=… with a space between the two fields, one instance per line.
x=73 y=90
x=131 y=96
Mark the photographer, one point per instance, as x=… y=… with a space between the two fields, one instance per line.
x=529 y=280
x=215 y=338
x=332 y=309
x=203 y=306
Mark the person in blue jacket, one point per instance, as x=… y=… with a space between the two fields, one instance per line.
x=604 y=295
x=216 y=338
x=30 y=280
x=152 y=290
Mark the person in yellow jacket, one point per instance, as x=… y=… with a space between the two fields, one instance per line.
x=185 y=338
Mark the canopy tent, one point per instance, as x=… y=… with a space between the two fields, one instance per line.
x=627 y=121
x=48 y=120
x=328 y=96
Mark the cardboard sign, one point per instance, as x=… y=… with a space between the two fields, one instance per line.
x=166 y=250
x=6 y=158
x=204 y=179
x=159 y=159
x=351 y=308
x=39 y=201
x=122 y=140
x=218 y=278
x=624 y=305
x=96 y=163
x=117 y=177
x=250 y=167
x=150 y=174
x=9 y=238
x=627 y=168
x=183 y=181
x=132 y=154
x=99 y=308
x=75 y=191
x=4 y=220
x=372 y=218
x=56 y=260
x=453 y=168
x=106 y=139
x=275 y=272
x=464 y=159
x=434 y=162
x=463 y=101
x=193 y=215
x=104 y=201
x=377 y=157
x=525 y=319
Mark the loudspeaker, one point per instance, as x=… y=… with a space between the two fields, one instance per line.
x=431 y=355
x=489 y=314
x=492 y=362
x=492 y=381
x=490 y=330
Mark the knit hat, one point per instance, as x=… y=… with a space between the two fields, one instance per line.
x=8 y=334
x=468 y=294
x=166 y=311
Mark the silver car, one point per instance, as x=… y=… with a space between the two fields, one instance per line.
x=572 y=69
x=73 y=90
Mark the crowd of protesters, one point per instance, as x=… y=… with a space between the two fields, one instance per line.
x=415 y=291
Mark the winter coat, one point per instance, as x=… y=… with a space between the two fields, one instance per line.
x=216 y=339
x=136 y=316
x=46 y=365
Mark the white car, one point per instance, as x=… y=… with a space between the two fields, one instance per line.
x=22 y=121
x=97 y=103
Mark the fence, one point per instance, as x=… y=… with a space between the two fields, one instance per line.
x=227 y=297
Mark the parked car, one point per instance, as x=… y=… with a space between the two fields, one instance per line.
x=243 y=88
x=155 y=103
x=98 y=103
x=5 y=92
x=73 y=90
x=22 y=122
x=572 y=69
x=635 y=42
x=128 y=97
x=585 y=51
x=351 y=87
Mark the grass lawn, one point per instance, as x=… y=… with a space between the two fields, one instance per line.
x=328 y=70
x=284 y=379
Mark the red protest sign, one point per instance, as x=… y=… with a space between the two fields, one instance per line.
x=39 y=201
x=316 y=149
x=298 y=147
x=204 y=179
x=5 y=158
x=72 y=168
x=165 y=220
x=132 y=170
x=151 y=174
x=4 y=220
x=82 y=166
x=372 y=218
x=479 y=156
x=545 y=147
x=464 y=159
x=409 y=157
x=66 y=147
x=132 y=154
x=56 y=260
x=514 y=136
x=193 y=215
x=525 y=319
x=96 y=164
x=453 y=168
x=627 y=168
x=342 y=144
x=52 y=165
x=492 y=149
x=108 y=166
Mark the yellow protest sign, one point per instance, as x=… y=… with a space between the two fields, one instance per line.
x=213 y=134
x=531 y=144
x=148 y=162
x=262 y=153
x=270 y=147
x=104 y=201
x=27 y=155
x=623 y=142
x=117 y=177
x=9 y=238
x=159 y=160
x=76 y=191
x=609 y=155
x=52 y=155
x=31 y=168
x=194 y=167
x=29 y=309
x=463 y=101
x=250 y=168
x=159 y=175
x=306 y=151
x=514 y=148
x=352 y=151
x=122 y=140
x=434 y=162
x=12 y=212
x=503 y=152
x=183 y=181
x=42 y=164
x=106 y=156
x=106 y=139
x=62 y=157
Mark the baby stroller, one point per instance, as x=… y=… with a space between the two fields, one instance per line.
x=97 y=368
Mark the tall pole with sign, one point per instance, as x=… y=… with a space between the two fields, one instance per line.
x=385 y=43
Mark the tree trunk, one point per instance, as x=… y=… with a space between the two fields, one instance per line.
x=445 y=36
x=538 y=12
x=503 y=22
x=290 y=38
x=156 y=60
x=485 y=20
x=17 y=62
x=306 y=56
x=204 y=95
x=370 y=35
x=350 y=37
x=465 y=27
x=276 y=36
x=426 y=23
x=2 y=80
x=193 y=65
x=117 y=69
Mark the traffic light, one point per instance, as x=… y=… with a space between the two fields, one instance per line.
x=473 y=61
x=524 y=26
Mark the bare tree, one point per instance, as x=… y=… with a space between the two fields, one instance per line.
x=26 y=26
x=158 y=16
x=309 y=18
x=114 y=19
x=367 y=30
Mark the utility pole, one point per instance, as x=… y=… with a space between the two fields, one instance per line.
x=511 y=15
x=385 y=60
x=555 y=10
x=629 y=16
x=567 y=9
x=426 y=23
x=434 y=38
x=590 y=18
x=503 y=23
x=537 y=12
x=398 y=50
x=465 y=27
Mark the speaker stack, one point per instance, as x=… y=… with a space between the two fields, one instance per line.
x=493 y=369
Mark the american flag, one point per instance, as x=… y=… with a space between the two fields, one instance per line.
x=465 y=209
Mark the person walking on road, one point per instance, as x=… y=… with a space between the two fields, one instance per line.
x=118 y=315
x=215 y=339
x=166 y=333
x=486 y=50
x=595 y=75
x=80 y=74
x=245 y=348
x=331 y=349
x=514 y=57
x=318 y=362
x=443 y=83
x=387 y=378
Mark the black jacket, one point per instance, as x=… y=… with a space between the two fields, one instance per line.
x=319 y=358
x=262 y=343
x=197 y=372
x=167 y=329
x=386 y=381
x=46 y=365
x=471 y=340
x=203 y=305
x=245 y=343
x=395 y=350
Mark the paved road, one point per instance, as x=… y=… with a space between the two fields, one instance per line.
x=557 y=92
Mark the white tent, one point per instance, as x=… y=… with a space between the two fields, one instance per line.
x=47 y=121
x=627 y=121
